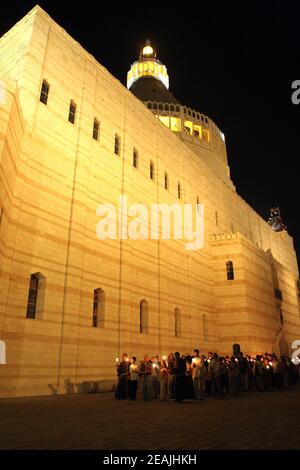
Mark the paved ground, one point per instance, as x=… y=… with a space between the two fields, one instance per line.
x=250 y=421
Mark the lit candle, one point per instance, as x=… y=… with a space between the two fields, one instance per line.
x=208 y=360
x=117 y=359
x=126 y=359
x=268 y=367
x=164 y=358
x=236 y=360
x=270 y=363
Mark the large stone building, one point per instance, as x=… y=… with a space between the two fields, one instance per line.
x=73 y=137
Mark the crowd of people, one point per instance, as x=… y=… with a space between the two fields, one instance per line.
x=194 y=376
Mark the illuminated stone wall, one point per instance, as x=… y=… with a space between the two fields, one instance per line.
x=54 y=175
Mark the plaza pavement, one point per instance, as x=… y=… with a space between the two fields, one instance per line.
x=269 y=420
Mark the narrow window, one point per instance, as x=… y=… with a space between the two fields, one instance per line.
x=229 y=270
x=231 y=227
x=144 y=316
x=177 y=322
x=98 y=308
x=44 y=92
x=166 y=181
x=135 y=158
x=151 y=170
x=1 y=214
x=72 y=112
x=216 y=217
x=96 y=129
x=205 y=327
x=117 y=144
x=32 y=296
x=179 y=191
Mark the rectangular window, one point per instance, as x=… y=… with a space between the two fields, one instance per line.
x=72 y=112
x=166 y=181
x=96 y=129
x=98 y=308
x=32 y=296
x=44 y=92
x=151 y=170
x=135 y=158
x=117 y=145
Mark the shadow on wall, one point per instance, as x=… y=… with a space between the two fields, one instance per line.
x=95 y=386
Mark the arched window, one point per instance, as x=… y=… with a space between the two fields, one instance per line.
x=44 y=92
x=151 y=170
x=117 y=144
x=36 y=296
x=96 y=129
x=98 y=307
x=72 y=112
x=179 y=191
x=229 y=270
x=205 y=327
x=135 y=158
x=177 y=322
x=144 y=316
x=166 y=181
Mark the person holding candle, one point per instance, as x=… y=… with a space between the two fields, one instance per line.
x=214 y=370
x=171 y=382
x=258 y=373
x=133 y=378
x=121 y=392
x=145 y=373
x=196 y=362
x=163 y=376
x=234 y=376
x=179 y=372
x=155 y=377
x=244 y=372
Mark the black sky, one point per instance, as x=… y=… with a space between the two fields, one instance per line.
x=232 y=60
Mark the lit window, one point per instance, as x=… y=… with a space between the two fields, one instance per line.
x=98 y=308
x=135 y=158
x=96 y=129
x=151 y=170
x=229 y=271
x=44 y=92
x=117 y=144
x=144 y=316
x=179 y=191
x=72 y=112
x=166 y=181
x=205 y=134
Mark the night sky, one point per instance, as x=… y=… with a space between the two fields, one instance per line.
x=234 y=61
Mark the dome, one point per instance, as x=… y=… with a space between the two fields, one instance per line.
x=151 y=89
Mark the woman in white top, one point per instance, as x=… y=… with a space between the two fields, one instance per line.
x=133 y=378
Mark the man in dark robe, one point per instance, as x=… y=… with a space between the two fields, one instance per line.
x=179 y=372
x=122 y=371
